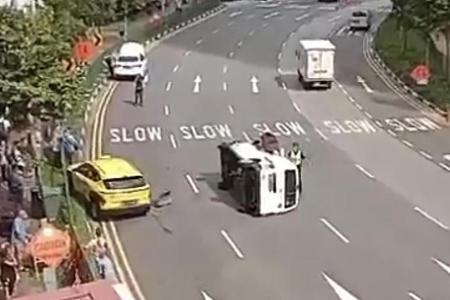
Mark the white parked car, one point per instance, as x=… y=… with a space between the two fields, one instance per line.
x=130 y=61
x=360 y=20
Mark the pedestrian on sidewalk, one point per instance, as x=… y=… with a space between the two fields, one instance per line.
x=98 y=244
x=105 y=267
x=16 y=185
x=9 y=274
x=20 y=236
x=3 y=161
x=70 y=145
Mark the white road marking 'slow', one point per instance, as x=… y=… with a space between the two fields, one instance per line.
x=168 y=86
x=166 y=110
x=192 y=184
x=447 y=168
x=334 y=230
x=364 y=171
x=231 y=109
x=430 y=218
x=232 y=244
x=426 y=155
x=407 y=143
x=173 y=141
x=175 y=69
x=246 y=137
x=320 y=133
x=414 y=296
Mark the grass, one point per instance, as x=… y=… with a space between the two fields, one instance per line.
x=388 y=44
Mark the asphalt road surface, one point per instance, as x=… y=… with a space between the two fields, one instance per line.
x=372 y=223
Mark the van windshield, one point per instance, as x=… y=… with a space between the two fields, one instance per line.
x=359 y=14
x=128 y=59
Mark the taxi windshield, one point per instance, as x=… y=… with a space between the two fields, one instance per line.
x=125 y=183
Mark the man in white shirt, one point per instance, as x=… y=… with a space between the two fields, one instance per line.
x=296 y=156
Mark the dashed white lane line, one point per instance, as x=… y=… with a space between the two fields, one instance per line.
x=250 y=16
x=291 y=34
x=225 y=86
x=408 y=143
x=442 y=265
x=176 y=68
x=230 y=23
x=231 y=109
x=299 y=18
x=283 y=45
x=198 y=42
x=444 y=166
x=364 y=171
x=215 y=31
x=430 y=218
x=239 y=44
x=168 y=86
x=192 y=184
x=235 y=14
x=265 y=24
x=368 y=115
x=283 y=85
x=351 y=99
x=187 y=53
x=166 y=110
x=414 y=296
x=297 y=109
x=333 y=19
x=173 y=141
x=232 y=244
x=358 y=106
x=246 y=137
x=251 y=33
x=274 y=14
x=321 y=134
x=279 y=56
x=426 y=155
x=334 y=230
x=391 y=132
x=378 y=123
x=231 y=54
x=225 y=69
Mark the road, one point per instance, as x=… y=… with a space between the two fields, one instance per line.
x=372 y=223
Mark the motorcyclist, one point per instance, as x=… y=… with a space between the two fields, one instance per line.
x=296 y=156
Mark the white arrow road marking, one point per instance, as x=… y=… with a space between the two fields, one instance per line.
x=232 y=244
x=430 y=218
x=443 y=266
x=414 y=296
x=299 y=18
x=197 y=82
x=254 y=81
x=342 y=293
x=364 y=84
x=206 y=296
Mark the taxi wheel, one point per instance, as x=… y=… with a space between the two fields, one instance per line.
x=95 y=210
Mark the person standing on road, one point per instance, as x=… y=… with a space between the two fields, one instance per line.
x=139 y=91
x=296 y=156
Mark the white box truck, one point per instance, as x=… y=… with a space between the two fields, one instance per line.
x=315 y=63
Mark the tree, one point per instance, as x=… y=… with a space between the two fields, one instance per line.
x=402 y=10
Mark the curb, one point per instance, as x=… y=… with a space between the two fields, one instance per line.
x=102 y=80
x=406 y=89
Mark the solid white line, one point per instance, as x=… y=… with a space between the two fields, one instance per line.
x=447 y=168
x=187 y=53
x=323 y=136
x=414 y=296
x=232 y=244
x=283 y=85
x=176 y=68
x=358 y=106
x=199 y=42
x=225 y=69
x=430 y=218
x=391 y=132
x=426 y=155
x=368 y=115
x=231 y=54
x=334 y=230
x=230 y=23
x=407 y=143
x=215 y=31
x=296 y=107
x=166 y=110
x=168 y=86
x=231 y=109
x=240 y=44
x=364 y=171
x=192 y=184
x=343 y=90
x=173 y=141
x=246 y=136
x=225 y=86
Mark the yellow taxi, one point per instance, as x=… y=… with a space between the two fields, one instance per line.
x=110 y=185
